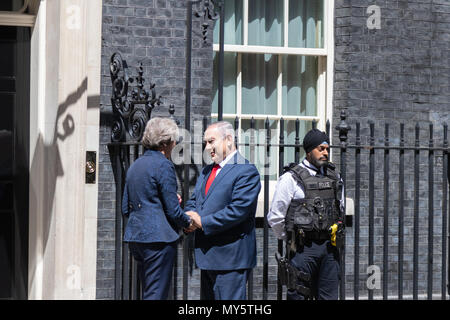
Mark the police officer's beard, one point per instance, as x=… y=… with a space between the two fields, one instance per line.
x=318 y=163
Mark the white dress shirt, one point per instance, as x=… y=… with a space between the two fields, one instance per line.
x=286 y=190
x=225 y=161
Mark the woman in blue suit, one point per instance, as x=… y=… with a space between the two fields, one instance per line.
x=151 y=203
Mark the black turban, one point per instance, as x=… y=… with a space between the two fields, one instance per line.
x=313 y=138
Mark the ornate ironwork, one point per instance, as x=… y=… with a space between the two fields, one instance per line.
x=343 y=128
x=131 y=108
x=208 y=12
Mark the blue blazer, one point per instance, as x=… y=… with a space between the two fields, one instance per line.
x=227 y=241
x=150 y=200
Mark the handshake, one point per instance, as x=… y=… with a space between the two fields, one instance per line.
x=196 y=222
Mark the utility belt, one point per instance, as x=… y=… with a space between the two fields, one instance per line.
x=317 y=235
x=298 y=236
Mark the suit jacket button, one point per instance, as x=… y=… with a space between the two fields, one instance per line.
x=139 y=205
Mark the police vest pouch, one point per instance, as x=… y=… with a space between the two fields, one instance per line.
x=300 y=215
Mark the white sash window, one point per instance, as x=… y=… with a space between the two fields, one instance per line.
x=278 y=63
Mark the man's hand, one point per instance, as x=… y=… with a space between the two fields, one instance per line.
x=196 y=218
x=196 y=221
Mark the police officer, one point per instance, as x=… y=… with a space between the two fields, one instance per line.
x=307 y=212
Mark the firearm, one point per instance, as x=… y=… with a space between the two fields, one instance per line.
x=286 y=272
x=282 y=269
x=283 y=262
x=289 y=275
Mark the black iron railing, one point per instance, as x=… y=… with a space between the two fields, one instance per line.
x=409 y=174
x=390 y=183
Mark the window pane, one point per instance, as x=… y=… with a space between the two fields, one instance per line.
x=259 y=83
x=257 y=155
x=306 y=26
x=233 y=23
x=265 y=22
x=229 y=83
x=289 y=138
x=300 y=75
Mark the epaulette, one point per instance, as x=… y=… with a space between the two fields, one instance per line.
x=331 y=171
x=289 y=167
x=331 y=165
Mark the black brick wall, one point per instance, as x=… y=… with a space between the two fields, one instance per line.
x=396 y=74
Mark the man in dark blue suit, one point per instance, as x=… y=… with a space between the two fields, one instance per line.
x=225 y=198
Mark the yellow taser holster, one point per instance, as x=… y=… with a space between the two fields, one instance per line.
x=333 y=230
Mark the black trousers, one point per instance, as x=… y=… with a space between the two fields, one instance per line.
x=155 y=265
x=224 y=284
x=320 y=260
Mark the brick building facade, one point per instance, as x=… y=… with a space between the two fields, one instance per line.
x=395 y=73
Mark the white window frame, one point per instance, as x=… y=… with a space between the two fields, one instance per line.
x=324 y=82
x=325 y=69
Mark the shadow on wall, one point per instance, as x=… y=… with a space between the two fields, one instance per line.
x=47 y=159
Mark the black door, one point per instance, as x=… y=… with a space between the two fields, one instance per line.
x=14 y=154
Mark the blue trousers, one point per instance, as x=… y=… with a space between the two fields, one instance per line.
x=320 y=260
x=224 y=285
x=155 y=266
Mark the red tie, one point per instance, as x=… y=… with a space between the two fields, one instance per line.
x=211 y=178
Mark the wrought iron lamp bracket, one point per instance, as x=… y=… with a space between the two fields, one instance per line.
x=209 y=11
x=132 y=107
x=343 y=128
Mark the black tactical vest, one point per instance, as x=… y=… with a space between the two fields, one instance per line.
x=320 y=208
